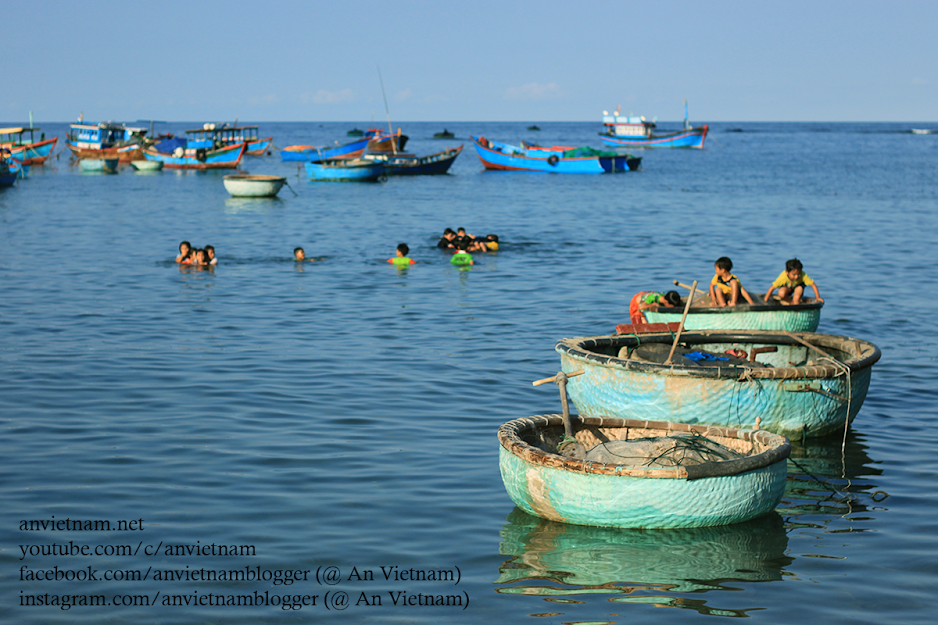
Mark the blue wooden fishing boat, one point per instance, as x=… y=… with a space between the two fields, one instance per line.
x=225 y=135
x=10 y=170
x=304 y=153
x=800 y=384
x=635 y=491
x=197 y=154
x=773 y=315
x=637 y=132
x=413 y=165
x=106 y=140
x=386 y=141
x=346 y=170
x=502 y=156
x=27 y=151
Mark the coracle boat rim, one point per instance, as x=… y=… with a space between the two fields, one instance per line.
x=255 y=178
x=742 y=308
x=778 y=447
x=864 y=354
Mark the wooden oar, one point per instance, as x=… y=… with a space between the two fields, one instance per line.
x=693 y=289
x=680 y=284
x=807 y=344
x=569 y=446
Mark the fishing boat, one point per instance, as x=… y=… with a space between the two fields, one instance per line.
x=534 y=128
x=637 y=132
x=502 y=156
x=253 y=185
x=569 y=151
x=103 y=165
x=27 y=151
x=198 y=151
x=707 y=475
x=702 y=315
x=446 y=134
x=345 y=170
x=226 y=135
x=800 y=384
x=412 y=165
x=355 y=132
x=353 y=149
x=386 y=142
x=106 y=140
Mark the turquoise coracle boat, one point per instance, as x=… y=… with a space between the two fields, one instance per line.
x=801 y=385
x=637 y=495
x=794 y=318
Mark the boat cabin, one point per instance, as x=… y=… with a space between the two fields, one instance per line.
x=211 y=137
x=627 y=126
x=13 y=137
x=104 y=135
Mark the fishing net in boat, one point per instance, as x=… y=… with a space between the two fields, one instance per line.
x=676 y=450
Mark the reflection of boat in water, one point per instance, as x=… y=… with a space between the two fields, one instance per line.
x=591 y=560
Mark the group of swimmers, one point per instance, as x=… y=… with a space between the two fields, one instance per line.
x=726 y=289
x=189 y=255
x=461 y=243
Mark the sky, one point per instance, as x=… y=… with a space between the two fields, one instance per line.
x=473 y=60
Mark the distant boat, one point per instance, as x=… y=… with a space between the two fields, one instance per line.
x=345 y=170
x=355 y=132
x=27 y=151
x=106 y=140
x=915 y=131
x=105 y=165
x=353 y=149
x=146 y=165
x=446 y=134
x=411 y=165
x=533 y=128
x=386 y=142
x=501 y=156
x=253 y=185
x=197 y=151
x=636 y=132
x=226 y=135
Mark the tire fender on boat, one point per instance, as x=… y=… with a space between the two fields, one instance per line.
x=200 y=155
x=553 y=159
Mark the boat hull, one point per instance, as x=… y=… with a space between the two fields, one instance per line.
x=10 y=171
x=502 y=157
x=691 y=138
x=34 y=153
x=795 y=318
x=580 y=492
x=305 y=153
x=434 y=164
x=813 y=399
x=146 y=165
x=388 y=143
x=124 y=154
x=247 y=185
x=259 y=147
x=223 y=158
x=345 y=171
x=99 y=164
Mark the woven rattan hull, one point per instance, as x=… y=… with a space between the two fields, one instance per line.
x=791 y=318
x=807 y=400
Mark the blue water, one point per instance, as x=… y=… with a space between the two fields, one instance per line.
x=341 y=413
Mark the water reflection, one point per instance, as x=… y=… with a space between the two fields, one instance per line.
x=556 y=561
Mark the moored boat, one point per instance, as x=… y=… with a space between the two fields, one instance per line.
x=106 y=141
x=637 y=132
x=740 y=475
x=355 y=132
x=802 y=317
x=27 y=151
x=253 y=185
x=446 y=134
x=225 y=135
x=146 y=165
x=105 y=165
x=197 y=151
x=412 y=165
x=568 y=151
x=10 y=170
x=800 y=384
x=303 y=153
x=345 y=170
x=502 y=156
x=386 y=142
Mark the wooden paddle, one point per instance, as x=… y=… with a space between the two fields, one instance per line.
x=569 y=446
x=693 y=289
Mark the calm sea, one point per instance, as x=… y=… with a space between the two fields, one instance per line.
x=339 y=417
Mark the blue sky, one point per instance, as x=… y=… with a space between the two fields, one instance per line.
x=475 y=60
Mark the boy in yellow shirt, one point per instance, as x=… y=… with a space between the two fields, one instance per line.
x=791 y=283
x=725 y=288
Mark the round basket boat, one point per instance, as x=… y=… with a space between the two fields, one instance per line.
x=584 y=492
x=147 y=165
x=253 y=185
x=800 y=384
x=106 y=165
x=803 y=317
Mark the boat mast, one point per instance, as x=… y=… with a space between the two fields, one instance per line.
x=388 y=111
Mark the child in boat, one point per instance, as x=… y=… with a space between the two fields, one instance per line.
x=725 y=288
x=210 y=255
x=401 y=260
x=651 y=299
x=184 y=248
x=791 y=283
x=462 y=258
